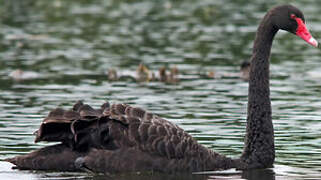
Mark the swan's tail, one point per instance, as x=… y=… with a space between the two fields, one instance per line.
x=56 y=157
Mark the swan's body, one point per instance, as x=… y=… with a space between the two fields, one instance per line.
x=120 y=138
x=117 y=138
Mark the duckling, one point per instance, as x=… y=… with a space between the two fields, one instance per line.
x=112 y=75
x=16 y=74
x=245 y=70
x=173 y=75
x=143 y=74
x=153 y=77
x=19 y=75
x=243 y=74
x=211 y=74
x=162 y=74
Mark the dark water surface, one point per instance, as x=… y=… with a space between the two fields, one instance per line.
x=66 y=47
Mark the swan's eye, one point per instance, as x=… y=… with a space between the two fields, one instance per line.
x=293 y=16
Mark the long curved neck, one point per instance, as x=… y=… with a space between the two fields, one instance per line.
x=259 y=141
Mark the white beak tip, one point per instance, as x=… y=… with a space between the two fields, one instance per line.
x=313 y=42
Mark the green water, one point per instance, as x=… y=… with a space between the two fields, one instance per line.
x=68 y=46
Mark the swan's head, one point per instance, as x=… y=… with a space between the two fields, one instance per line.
x=291 y=19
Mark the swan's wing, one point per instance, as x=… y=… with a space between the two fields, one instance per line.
x=113 y=127
x=148 y=132
x=57 y=126
x=135 y=139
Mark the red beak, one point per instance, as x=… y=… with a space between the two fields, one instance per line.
x=304 y=33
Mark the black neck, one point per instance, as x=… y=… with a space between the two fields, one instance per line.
x=259 y=141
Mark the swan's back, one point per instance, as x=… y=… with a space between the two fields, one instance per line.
x=117 y=138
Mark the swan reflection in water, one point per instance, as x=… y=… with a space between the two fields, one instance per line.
x=257 y=174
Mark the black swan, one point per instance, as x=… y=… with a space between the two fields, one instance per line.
x=121 y=138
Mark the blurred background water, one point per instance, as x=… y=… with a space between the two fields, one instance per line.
x=66 y=48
